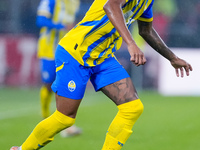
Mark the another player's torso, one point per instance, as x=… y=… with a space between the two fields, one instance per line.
x=94 y=39
x=59 y=11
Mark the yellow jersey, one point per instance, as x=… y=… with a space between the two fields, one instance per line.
x=94 y=38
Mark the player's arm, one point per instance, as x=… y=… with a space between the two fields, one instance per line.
x=115 y=14
x=153 y=39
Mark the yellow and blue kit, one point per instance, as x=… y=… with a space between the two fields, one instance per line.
x=53 y=16
x=71 y=77
x=94 y=38
x=86 y=52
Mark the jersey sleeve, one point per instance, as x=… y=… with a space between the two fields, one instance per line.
x=147 y=15
x=46 y=8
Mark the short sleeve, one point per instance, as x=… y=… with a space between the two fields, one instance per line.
x=147 y=15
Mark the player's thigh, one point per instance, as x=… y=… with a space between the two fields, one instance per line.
x=121 y=91
x=113 y=80
x=71 y=77
x=108 y=72
x=70 y=83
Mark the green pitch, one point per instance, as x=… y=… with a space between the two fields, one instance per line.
x=167 y=123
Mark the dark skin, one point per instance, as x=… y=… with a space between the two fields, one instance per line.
x=153 y=39
x=123 y=91
x=48 y=86
x=119 y=92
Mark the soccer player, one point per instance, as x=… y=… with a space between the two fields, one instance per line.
x=55 y=18
x=86 y=52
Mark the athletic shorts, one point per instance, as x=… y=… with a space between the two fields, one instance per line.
x=72 y=77
x=48 y=70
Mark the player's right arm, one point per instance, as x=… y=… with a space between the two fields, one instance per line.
x=113 y=9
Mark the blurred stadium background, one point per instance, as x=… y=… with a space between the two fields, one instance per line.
x=176 y=126
x=177 y=22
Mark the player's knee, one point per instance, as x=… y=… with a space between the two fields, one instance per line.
x=138 y=107
x=69 y=123
x=131 y=110
x=63 y=119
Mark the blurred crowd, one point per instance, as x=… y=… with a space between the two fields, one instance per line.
x=177 y=21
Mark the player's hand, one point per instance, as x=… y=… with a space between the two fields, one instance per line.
x=180 y=65
x=137 y=56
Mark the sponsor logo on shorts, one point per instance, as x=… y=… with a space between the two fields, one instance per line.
x=71 y=86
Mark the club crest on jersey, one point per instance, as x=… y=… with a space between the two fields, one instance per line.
x=71 y=86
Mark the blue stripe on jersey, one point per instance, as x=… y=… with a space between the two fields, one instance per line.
x=137 y=11
x=89 y=23
x=104 y=51
x=97 y=25
x=149 y=12
x=95 y=44
x=133 y=9
x=127 y=4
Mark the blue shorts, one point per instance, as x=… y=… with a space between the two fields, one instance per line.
x=71 y=77
x=48 y=70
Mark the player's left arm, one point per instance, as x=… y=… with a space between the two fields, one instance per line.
x=153 y=39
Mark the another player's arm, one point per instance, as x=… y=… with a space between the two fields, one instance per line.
x=153 y=39
x=115 y=14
